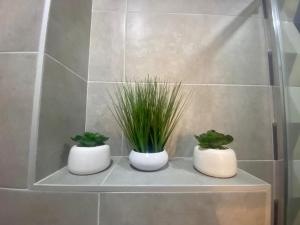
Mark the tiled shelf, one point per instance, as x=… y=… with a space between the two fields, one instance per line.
x=178 y=176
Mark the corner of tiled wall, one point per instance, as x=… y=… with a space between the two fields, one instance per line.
x=64 y=87
x=19 y=49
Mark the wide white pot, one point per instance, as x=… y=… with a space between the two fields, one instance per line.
x=215 y=162
x=148 y=161
x=88 y=160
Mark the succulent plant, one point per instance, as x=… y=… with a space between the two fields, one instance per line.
x=89 y=139
x=213 y=139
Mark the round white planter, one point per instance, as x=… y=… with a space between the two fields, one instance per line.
x=88 y=160
x=148 y=161
x=215 y=162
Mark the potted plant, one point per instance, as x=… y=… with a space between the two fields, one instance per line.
x=90 y=155
x=212 y=157
x=147 y=113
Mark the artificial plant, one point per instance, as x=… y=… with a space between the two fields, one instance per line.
x=89 y=139
x=214 y=140
x=148 y=112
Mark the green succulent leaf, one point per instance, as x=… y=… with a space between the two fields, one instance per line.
x=213 y=139
x=89 y=139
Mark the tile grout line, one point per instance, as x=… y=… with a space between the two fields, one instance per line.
x=122 y=144
x=186 y=84
x=20 y=52
x=124 y=62
x=125 y=40
x=258 y=17
x=45 y=178
x=88 y=75
x=86 y=107
x=98 y=209
x=256 y=160
x=110 y=172
x=66 y=67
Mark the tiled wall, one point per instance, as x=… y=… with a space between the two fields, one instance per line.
x=63 y=100
x=183 y=208
x=36 y=208
x=20 y=25
x=128 y=40
x=217 y=49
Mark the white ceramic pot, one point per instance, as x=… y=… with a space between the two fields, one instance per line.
x=215 y=162
x=148 y=161
x=88 y=160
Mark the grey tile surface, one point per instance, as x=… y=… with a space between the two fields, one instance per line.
x=287 y=9
x=20 y=24
x=293 y=215
x=178 y=176
x=179 y=172
x=242 y=111
x=99 y=117
x=261 y=169
x=109 y=4
x=17 y=75
x=186 y=48
x=62 y=116
x=294 y=178
x=107 y=46
x=68 y=33
x=36 y=208
x=184 y=208
x=290 y=38
x=293 y=133
x=224 y=7
x=292 y=68
x=63 y=177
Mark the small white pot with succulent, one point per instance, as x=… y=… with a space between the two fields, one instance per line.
x=147 y=113
x=212 y=158
x=90 y=155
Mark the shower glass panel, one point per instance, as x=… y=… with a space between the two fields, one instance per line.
x=286 y=21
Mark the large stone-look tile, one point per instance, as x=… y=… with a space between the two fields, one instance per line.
x=36 y=208
x=224 y=7
x=293 y=121
x=68 y=35
x=20 y=23
x=293 y=215
x=17 y=75
x=109 y=4
x=178 y=173
x=290 y=41
x=261 y=169
x=62 y=116
x=242 y=111
x=292 y=67
x=294 y=181
x=287 y=9
x=233 y=208
x=280 y=189
x=63 y=177
x=107 y=47
x=99 y=117
x=185 y=48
